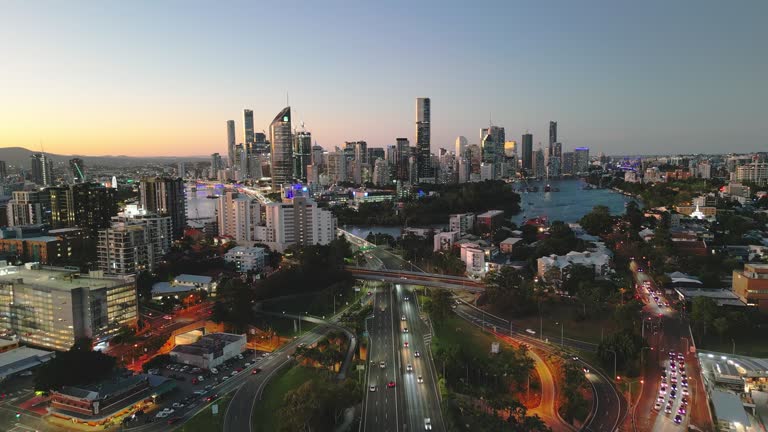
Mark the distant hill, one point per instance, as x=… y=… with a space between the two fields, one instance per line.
x=19 y=156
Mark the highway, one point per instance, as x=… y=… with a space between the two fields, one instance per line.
x=666 y=330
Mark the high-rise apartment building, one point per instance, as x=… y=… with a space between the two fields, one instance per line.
x=77 y=170
x=237 y=216
x=539 y=163
x=231 y=141
x=28 y=208
x=3 y=171
x=280 y=136
x=134 y=243
x=216 y=165
x=552 y=136
x=423 y=137
x=93 y=206
x=568 y=163
x=581 y=160
x=248 y=127
x=755 y=172
x=298 y=221
x=165 y=197
x=403 y=153
x=41 y=169
x=337 y=167
x=302 y=154
x=380 y=173
x=527 y=141
x=52 y=307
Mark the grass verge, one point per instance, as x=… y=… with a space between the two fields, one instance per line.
x=205 y=420
x=265 y=418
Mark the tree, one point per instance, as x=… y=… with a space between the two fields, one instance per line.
x=598 y=221
x=721 y=326
x=144 y=282
x=703 y=313
x=507 y=290
x=157 y=361
x=77 y=366
x=439 y=306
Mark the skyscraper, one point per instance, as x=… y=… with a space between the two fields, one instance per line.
x=165 y=196
x=231 y=143
x=282 y=149
x=552 y=135
x=215 y=165
x=237 y=216
x=298 y=221
x=3 y=171
x=580 y=160
x=42 y=169
x=248 y=127
x=461 y=146
x=423 y=140
x=403 y=149
x=527 y=152
x=302 y=154
x=77 y=170
x=260 y=144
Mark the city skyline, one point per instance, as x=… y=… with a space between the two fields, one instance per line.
x=128 y=84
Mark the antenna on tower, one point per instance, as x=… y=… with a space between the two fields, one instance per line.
x=287 y=100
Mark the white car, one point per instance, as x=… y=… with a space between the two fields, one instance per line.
x=409 y=368
x=382 y=364
x=214 y=371
x=372 y=388
x=427 y=424
x=420 y=379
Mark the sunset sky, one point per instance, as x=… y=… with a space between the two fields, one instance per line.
x=162 y=77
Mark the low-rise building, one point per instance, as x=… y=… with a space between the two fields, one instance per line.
x=599 y=262
x=444 y=241
x=490 y=221
x=183 y=284
x=20 y=359
x=473 y=256
x=462 y=222
x=210 y=351
x=246 y=258
x=508 y=244
x=751 y=285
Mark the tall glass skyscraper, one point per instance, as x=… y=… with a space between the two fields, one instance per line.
x=527 y=152
x=280 y=137
x=423 y=140
x=302 y=153
x=248 y=127
x=231 y=143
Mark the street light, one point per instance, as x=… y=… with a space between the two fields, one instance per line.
x=614 y=362
x=561 y=333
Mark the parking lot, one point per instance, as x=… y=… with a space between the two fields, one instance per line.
x=195 y=387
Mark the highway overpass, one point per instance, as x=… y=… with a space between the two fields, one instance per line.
x=417 y=278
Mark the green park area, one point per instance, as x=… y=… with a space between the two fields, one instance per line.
x=568 y=319
x=265 y=416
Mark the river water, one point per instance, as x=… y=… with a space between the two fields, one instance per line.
x=568 y=205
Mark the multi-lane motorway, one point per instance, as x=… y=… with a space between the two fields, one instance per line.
x=402 y=393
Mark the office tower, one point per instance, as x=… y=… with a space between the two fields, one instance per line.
x=375 y=153
x=237 y=216
x=581 y=160
x=464 y=169
x=317 y=155
x=413 y=170
x=337 y=167
x=77 y=170
x=216 y=165
x=475 y=157
x=260 y=144
x=527 y=152
x=241 y=162
x=510 y=149
x=380 y=173
x=391 y=155
x=302 y=154
x=298 y=221
x=282 y=149
x=3 y=171
x=567 y=163
x=423 y=139
x=248 y=127
x=359 y=150
x=165 y=197
x=403 y=154
x=134 y=243
x=51 y=307
x=231 y=143
x=539 y=163
x=181 y=169
x=92 y=206
x=461 y=145
x=558 y=150
x=552 y=136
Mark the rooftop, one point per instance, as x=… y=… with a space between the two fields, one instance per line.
x=511 y=240
x=20 y=359
x=491 y=213
x=729 y=408
x=55 y=278
x=103 y=388
x=208 y=343
x=192 y=279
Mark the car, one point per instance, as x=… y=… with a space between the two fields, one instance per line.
x=684 y=400
x=405 y=329
x=391 y=384
x=209 y=386
x=382 y=364
x=238 y=370
x=178 y=405
x=161 y=414
x=212 y=398
x=154 y=371
x=214 y=371
x=234 y=372
x=673 y=386
x=199 y=392
x=239 y=356
x=663 y=380
x=668 y=409
x=660 y=399
x=372 y=388
x=195 y=381
x=224 y=378
x=255 y=371
x=406 y=298
x=174 y=420
x=167 y=317
x=409 y=368
x=678 y=419
x=664 y=374
x=420 y=379
x=405 y=344
x=680 y=357
x=427 y=424
x=247 y=364
x=200 y=378
x=663 y=390
x=417 y=354
x=681 y=411
x=684 y=383
x=673 y=394
x=657 y=406
x=402 y=318
x=685 y=391
x=196 y=370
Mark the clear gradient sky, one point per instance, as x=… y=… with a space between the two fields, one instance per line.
x=162 y=77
